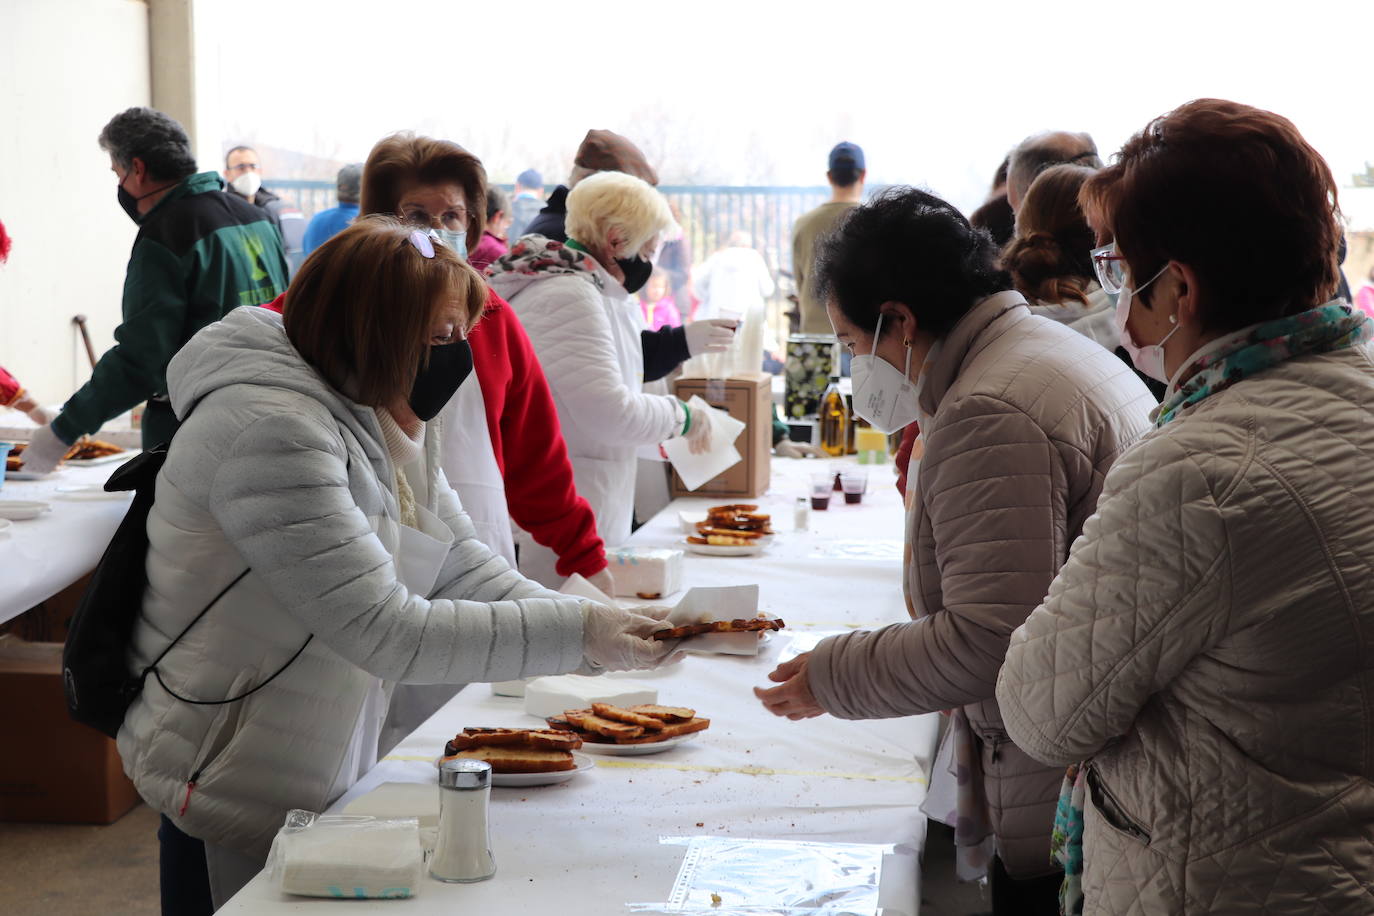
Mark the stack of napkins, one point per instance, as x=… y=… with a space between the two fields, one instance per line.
x=342 y=856
x=645 y=572
x=551 y=696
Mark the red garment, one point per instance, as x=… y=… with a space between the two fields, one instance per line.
x=530 y=452
x=10 y=389
x=904 y=455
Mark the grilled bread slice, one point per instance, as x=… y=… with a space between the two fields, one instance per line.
x=617 y=714
x=521 y=759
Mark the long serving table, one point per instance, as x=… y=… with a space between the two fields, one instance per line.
x=592 y=844
x=39 y=557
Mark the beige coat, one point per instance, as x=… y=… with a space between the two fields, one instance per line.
x=1027 y=416
x=1208 y=644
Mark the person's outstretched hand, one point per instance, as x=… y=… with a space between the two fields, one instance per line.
x=618 y=640
x=710 y=335
x=794 y=698
x=786 y=448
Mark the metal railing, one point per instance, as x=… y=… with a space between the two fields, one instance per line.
x=708 y=215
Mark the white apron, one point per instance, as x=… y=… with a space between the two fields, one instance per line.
x=469 y=461
x=606 y=481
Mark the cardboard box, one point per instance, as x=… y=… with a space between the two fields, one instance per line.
x=748 y=398
x=53 y=769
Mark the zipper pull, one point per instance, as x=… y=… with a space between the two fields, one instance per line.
x=190 y=787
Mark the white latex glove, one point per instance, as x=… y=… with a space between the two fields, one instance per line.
x=618 y=640
x=604 y=581
x=711 y=335
x=699 y=433
x=33 y=410
x=44 y=451
x=786 y=448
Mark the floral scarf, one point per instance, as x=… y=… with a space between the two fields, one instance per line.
x=1333 y=326
x=534 y=255
x=1066 y=840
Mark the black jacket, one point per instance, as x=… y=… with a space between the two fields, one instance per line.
x=664 y=349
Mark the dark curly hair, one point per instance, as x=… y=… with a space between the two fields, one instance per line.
x=155 y=138
x=908 y=246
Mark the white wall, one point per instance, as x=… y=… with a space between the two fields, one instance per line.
x=66 y=68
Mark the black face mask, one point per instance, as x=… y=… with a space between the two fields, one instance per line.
x=129 y=203
x=435 y=384
x=637 y=271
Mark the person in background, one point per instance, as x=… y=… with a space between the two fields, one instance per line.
x=1205 y=647
x=1040 y=151
x=306 y=505
x=574 y=300
x=675 y=257
x=1364 y=297
x=1050 y=258
x=668 y=347
x=734 y=281
x=198 y=254
x=328 y=223
x=525 y=203
x=660 y=308
x=493 y=243
x=1020 y=418
x=243 y=172
x=504 y=450
x=846 y=173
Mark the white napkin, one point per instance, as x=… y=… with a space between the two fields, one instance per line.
x=695 y=470
x=579 y=587
x=729 y=603
x=354 y=857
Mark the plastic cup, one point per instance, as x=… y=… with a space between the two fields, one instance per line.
x=854 y=481
x=821 y=484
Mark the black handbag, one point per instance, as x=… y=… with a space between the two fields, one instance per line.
x=95 y=671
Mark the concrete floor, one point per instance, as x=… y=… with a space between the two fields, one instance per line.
x=71 y=870
x=63 y=870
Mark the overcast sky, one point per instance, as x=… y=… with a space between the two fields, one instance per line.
x=757 y=92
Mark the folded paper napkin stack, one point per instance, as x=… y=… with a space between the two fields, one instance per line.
x=347 y=856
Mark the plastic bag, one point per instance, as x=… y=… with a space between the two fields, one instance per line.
x=754 y=877
x=352 y=856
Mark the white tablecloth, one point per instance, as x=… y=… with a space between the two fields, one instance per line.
x=592 y=844
x=42 y=556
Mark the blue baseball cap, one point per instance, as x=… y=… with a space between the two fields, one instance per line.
x=846 y=155
x=529 y=179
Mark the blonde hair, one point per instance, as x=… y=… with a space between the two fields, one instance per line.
x=613 y=202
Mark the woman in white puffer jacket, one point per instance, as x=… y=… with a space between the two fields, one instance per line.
x=575 y=302
x=1206 y=649
x=304 y=459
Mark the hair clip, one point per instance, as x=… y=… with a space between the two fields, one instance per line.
x=422 y=243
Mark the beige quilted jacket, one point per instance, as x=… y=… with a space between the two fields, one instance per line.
x=1027 y=416
x=1210 y=644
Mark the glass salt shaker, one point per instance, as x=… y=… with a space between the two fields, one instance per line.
x=463 y=851
x=801 y=514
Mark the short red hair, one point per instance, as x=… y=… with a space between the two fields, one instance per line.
x=1238 y=195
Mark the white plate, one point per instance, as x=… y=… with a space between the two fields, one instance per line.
x=89 y=493
x=714 y=550
x=103 y=459
x=22 y=509
x=521 y=780
x=637 y=750
x=26 y=475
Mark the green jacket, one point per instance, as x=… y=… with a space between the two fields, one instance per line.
x=199 y=253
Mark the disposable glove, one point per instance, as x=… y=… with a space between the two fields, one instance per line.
x=618 y=640
x=711 y=335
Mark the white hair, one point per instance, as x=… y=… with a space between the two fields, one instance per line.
x=610 y=203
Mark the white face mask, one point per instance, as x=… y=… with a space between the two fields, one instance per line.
x=247 y=184
x=883 y=394
x=1148 y=359
x=458 y=241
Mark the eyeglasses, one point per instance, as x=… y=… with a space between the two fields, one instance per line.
x=1110 y=268
x=455 y=220
x=245 y=167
